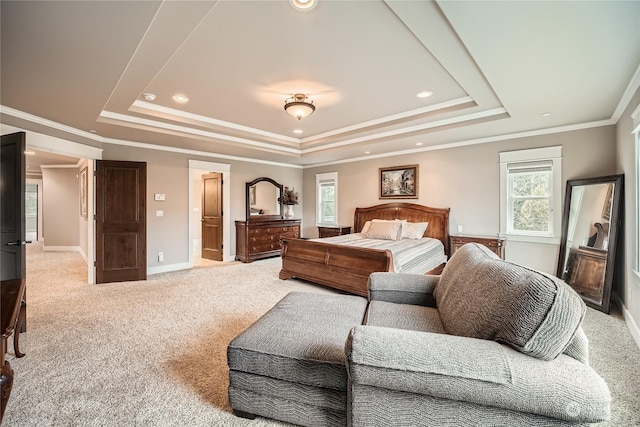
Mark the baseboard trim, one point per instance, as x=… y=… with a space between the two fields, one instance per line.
x=168 y=268
x=628 y=318
x=632 y=325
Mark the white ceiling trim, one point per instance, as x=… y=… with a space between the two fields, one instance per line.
x=209 y=154
x=48 y=123
x=143 y=107
x=137 y=122
x=385 y=120
x=445 y=122
x=631 y=89
x=458 y=144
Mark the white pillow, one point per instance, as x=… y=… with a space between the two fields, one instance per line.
x=365 y=227
x=414 y=230
x=385 y=230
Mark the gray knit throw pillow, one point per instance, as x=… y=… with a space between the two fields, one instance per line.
x=481 y=296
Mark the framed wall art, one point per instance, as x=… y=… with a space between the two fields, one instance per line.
x=399 y=182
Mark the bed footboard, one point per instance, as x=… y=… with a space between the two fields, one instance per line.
x=340 y=267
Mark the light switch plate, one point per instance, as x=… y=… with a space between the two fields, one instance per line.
x=159 y=197
x=159 y=213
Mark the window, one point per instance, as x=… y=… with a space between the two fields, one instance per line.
x=530 y=194
x=327 y=198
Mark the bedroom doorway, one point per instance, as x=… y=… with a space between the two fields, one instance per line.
x=197 y=169
x=212 y=226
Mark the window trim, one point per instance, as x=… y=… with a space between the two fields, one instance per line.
x=321 y=178
x=636 y=133
x=553 y=154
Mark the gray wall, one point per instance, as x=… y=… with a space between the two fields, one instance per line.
x=60 y=207
x=467 y=179
x=168 y=173
x=627 y=285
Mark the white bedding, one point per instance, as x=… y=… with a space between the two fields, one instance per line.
x=409 y=255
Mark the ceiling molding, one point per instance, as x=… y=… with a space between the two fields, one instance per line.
x=46 y=122
x=398 y=132
x=458 y=144
x=391 y=118
x=209 y=154
x=628 y=94
x=184 y=116
x=154 y=125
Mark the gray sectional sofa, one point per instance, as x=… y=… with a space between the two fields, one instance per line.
x=487 y=342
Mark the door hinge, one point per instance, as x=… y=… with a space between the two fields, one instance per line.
x=221 y=246
x=95 y=264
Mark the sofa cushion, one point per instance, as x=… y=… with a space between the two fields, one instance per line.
x=301 y=339
x=404 y=316
x=482 y=296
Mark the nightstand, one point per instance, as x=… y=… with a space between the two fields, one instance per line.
x=496 y=244
x=333 y=231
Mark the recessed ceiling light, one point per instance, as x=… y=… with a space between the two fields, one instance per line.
x=367 y=152
x=419 y=143
x=424 y=94
x=92 y=130
x=148 y=96
x=547 y=114
x=180 y=99
x=303 y=4
x=29 y=152
x=298 y=131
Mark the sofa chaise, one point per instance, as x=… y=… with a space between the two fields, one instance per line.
x=487 y=342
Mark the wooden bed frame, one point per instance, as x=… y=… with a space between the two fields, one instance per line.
x=348 y=268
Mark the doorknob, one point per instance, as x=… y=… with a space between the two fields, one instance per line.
x=18 y=243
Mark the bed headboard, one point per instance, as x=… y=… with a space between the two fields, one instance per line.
x=438 y=218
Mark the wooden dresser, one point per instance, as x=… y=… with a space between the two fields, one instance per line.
x=257 y=239
x=587 y=275
x=495 y=243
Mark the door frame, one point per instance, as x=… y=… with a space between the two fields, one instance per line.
x=195 y=171
x=51 y=144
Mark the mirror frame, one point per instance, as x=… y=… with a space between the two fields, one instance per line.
x=616 y=205
x=250 y=217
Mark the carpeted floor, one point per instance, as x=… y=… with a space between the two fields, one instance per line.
x=153 y=353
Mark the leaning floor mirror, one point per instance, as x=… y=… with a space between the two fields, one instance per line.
x=589 y=234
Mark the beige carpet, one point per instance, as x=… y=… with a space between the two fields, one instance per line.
x=153 y=353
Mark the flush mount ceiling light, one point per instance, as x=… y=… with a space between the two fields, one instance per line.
x=303 y=4
x=298 y=107
x=148 y=96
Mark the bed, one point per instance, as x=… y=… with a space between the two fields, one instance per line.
x=345 y=267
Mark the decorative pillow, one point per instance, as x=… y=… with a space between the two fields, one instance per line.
x=414 y=230
x=385 y=230
x=482 y=296
x=367 y=224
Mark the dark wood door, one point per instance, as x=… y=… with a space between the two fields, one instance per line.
x=121 y=231
x=212 y=216
x=12 y=217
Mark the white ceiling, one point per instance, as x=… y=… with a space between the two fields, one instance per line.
x=494 y=68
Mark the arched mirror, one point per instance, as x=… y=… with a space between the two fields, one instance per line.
x=589 y=234
x=264 y=199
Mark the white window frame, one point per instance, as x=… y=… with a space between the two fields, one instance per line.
x=324 y=178
x=546 y=155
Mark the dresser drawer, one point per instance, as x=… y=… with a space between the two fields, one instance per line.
x=264 y=247
x=262 y=238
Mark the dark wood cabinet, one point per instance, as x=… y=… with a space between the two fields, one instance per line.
x=333 y=231
x=587 y=275
x=259 y=239
x=496 y=244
